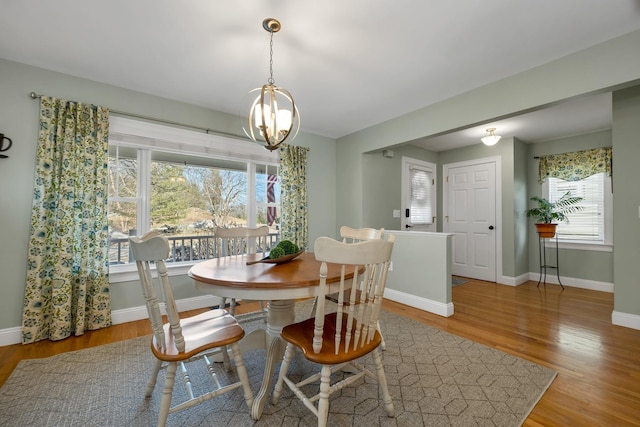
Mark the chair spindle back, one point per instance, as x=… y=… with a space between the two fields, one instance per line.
x=369 y=260
x=241 y=240
x=154 y=248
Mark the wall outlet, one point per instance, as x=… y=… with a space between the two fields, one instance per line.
x=391 y=266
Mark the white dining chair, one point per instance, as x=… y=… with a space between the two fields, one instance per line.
x=337 y=340
x=352 y=235
x=182 y=340
x=236 y=241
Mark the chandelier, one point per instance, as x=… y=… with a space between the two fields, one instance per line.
x=273 y=115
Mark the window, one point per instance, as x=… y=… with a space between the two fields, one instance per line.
x=420 y=209
x=592 y=224
x=184 y=184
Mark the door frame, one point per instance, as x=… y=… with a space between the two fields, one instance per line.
x=497 y=161
x=405 y=184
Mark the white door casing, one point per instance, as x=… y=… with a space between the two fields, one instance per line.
x=472 y=215
x=409 y=165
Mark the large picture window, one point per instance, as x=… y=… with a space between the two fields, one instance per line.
x=184 y=184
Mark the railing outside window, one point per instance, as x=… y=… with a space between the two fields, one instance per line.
x=183 y=248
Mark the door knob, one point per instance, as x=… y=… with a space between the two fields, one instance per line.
x=408 y=226
x=491 y=227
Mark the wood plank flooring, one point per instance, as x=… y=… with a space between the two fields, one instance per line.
x=570 y=331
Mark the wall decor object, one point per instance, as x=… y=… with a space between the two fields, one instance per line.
x=5 y=144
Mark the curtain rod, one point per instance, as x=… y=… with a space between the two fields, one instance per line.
x=208 y=131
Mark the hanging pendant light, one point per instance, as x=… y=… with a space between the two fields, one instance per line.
x=490 y=138
x=273 y=115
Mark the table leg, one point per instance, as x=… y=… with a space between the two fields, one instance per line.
x=279 y=315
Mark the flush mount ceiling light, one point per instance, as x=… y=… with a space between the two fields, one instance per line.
x=490 y=138
x=273 y=115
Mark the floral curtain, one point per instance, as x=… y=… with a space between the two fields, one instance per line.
x=576 y=165
x=293 y=200
x=67 y=289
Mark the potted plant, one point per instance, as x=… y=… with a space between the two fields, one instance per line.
x=549 y=213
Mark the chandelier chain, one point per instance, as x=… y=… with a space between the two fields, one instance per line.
x=271 y=80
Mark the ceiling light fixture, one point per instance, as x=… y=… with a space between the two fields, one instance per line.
x=490 y=139
x=273 y=115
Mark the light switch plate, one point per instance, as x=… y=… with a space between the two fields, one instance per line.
x=396 y=213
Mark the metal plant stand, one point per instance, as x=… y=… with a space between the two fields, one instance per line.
x=543 y=261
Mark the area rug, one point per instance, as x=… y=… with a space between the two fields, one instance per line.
x=456 y=280
x=435 y=379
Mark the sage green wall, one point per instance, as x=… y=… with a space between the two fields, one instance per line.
x=612 y=65
x=518 y=207
x=626 y=199
x=19 y=121
x=600 y=68
x=580 y=264
x=382 y=185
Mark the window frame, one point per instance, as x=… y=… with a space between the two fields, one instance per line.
x=146 y=137
x=604 y=246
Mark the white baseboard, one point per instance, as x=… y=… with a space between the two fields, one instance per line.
x=625 y=319
x=575 y=283
x=514 y=281
x=439 y=308
x=136 y=313
x=11 y=336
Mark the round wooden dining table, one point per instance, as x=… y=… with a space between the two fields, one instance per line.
x=279 y=284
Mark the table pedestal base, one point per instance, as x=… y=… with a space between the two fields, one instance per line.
x=279 y=314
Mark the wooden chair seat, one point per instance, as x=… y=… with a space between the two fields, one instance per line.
x=301 y=335
x=205 y=331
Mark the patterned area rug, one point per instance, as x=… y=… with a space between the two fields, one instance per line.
x=457 y=280
x=435 y=379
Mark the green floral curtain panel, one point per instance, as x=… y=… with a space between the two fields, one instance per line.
x=67 y=289
x=576 y=165
x=293 y=171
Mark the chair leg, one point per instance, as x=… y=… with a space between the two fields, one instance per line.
x=323 y=402
x=154 y=377
x=313 y=307
x=167 y=391
x=232 y=307
x=226 y=362
x=263 y=308
x=383 y=345
x=284 y=368
x=242 y=374
x=382 y=384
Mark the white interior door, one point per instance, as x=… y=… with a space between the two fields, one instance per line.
x=471 y=217
x=418 y=197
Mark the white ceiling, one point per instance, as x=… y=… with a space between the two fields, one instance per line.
x=349 y=64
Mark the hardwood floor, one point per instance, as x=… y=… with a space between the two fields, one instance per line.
x=570 y=331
